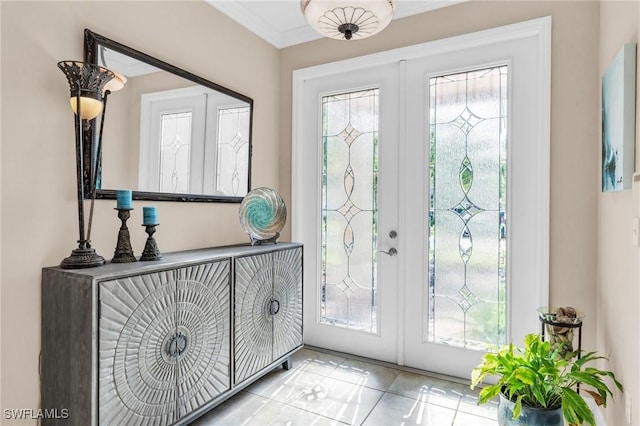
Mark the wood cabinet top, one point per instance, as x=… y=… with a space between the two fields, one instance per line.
x=172 y=260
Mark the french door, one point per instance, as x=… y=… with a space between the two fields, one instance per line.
x=421 y=194
x=353 y=178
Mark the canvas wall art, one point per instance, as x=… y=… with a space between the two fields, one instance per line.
x=618 y=120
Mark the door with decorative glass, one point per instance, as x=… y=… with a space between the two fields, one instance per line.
x=352 y=177
x=463 y=233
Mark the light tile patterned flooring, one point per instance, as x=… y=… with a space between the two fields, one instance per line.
x=331 y=389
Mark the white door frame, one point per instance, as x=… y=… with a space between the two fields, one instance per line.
x=540 y=29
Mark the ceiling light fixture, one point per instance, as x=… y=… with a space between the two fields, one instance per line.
x=348 y=19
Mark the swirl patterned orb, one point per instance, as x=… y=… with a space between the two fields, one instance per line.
x=263 y=214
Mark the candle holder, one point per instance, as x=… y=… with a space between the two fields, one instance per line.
x=151 y=251
x=123 y=252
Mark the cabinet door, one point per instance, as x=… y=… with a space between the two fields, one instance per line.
x=287 y=294
x=253 y=321
x=202 y=343
x=268 y=309
x=164 y=344
x=136 y=380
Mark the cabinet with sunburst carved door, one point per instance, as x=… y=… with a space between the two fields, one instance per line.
x=164 y=343
x=153 y=343
x=268 y=309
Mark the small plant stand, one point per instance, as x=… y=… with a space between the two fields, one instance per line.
x=549 y=319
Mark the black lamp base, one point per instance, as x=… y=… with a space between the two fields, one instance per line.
x=82 y=258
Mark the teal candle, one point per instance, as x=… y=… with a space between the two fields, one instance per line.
x=123 y=197
x=150 y=215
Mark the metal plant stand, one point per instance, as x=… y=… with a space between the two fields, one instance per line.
x=549 y=319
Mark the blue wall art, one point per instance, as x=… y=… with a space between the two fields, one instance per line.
x=618 y=120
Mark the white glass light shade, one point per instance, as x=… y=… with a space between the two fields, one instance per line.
x=347 y=19
x=89 y=108
x=116 y=83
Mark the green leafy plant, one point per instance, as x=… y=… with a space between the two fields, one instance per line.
x=537 y=376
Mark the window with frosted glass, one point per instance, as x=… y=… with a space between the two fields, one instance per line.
x=467 y=214
x=232 y=145
x=349 y=209
x=175 y=152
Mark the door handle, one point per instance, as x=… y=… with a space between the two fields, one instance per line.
x=391 y=252
x=274 y=306
x=177 y=345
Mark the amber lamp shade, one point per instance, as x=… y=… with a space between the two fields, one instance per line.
x=87 y=82
x=89 y=108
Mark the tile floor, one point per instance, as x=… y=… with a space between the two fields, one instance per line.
x=331 y=389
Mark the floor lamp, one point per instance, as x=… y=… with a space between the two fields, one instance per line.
x=87 y=85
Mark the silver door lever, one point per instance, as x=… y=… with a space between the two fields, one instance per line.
x=392 y=251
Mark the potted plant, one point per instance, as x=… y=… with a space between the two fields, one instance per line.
x=537 y=386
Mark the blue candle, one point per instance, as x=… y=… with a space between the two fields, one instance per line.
x=150 y=215
x=123 y=197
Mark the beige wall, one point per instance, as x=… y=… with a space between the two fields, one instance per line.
x=39 y=220
x=618 y=274
x=575 y=167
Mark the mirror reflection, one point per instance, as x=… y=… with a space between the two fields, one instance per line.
x=170 y=135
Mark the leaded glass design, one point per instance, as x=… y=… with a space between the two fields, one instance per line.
x=467 y=212
x=233 y=142
x=349 y=209
x=175 y=152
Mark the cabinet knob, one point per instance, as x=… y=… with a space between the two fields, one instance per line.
x=274 y=306
x=177 y=345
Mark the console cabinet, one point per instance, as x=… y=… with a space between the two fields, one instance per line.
x=160 y=343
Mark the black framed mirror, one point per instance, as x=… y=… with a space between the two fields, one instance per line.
x=169 y=135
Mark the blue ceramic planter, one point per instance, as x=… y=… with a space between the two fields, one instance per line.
x=529 y=416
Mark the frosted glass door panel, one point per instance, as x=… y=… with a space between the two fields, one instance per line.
x=467 y=215
x=175 y=152
x=232 y=175
x=349 y=209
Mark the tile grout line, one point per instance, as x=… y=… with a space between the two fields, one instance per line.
x=373 y=408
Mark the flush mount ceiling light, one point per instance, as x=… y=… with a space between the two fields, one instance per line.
x=347 y=19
